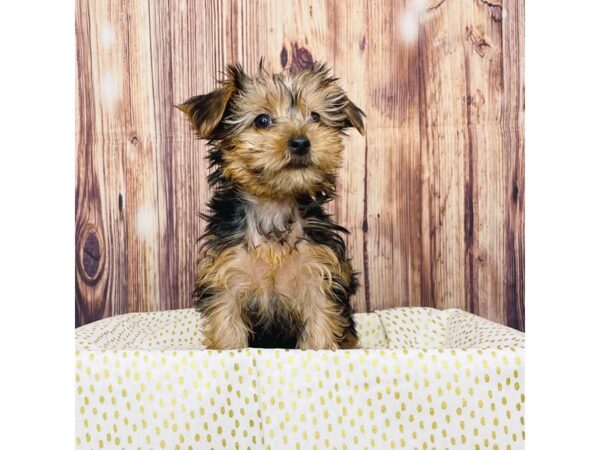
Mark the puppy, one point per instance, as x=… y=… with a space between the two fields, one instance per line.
x=273 y=270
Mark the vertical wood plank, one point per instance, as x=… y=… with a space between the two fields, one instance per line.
x=100 y=234
x=512 y=124
x=486 y=254
x=141 y=160
x=484 y=193
x=392 y=160
x=90 y=240
x=444 y=149
x=170 y=199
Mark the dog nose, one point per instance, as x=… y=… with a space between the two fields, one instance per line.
x=299 y=145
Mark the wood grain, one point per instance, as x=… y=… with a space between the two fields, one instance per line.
x=432 y=194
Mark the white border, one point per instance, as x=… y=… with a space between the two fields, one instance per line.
x=37 y=172
x=562 y=226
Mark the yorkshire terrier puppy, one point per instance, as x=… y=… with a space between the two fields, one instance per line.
x=273 y=270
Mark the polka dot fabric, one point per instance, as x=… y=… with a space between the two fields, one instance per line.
x=425 y=379
x=370 y=329
x=430 y=328
x=470 y=331
x=414 y=327
x=165 y=330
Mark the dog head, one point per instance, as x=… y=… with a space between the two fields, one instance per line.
x=276 y=135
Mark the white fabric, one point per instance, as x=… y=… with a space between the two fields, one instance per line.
x=425 y=379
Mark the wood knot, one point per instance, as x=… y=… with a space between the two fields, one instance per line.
x=479 y=40
x=363 y=43
x=134 y=140
x=482 y=257
x=91 y=258
x=365 y=226
x=283 y=57
x=300 y=58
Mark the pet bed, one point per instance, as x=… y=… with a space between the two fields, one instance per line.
x=424 y=379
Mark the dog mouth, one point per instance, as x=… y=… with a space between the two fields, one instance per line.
x=298 y=162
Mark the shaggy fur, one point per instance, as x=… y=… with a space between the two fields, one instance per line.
x=273 y=270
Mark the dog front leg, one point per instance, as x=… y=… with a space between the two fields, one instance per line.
x=324 y=327
x=223 y=326
x=220 y=293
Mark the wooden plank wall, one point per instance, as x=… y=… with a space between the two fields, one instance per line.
x=433 y=194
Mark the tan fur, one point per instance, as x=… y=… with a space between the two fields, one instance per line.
x=224 y=326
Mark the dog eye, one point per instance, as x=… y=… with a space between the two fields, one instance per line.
x=263 y=121
x=315 y=117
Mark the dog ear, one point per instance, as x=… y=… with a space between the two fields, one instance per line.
x=354 y=116
x=207 y=111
